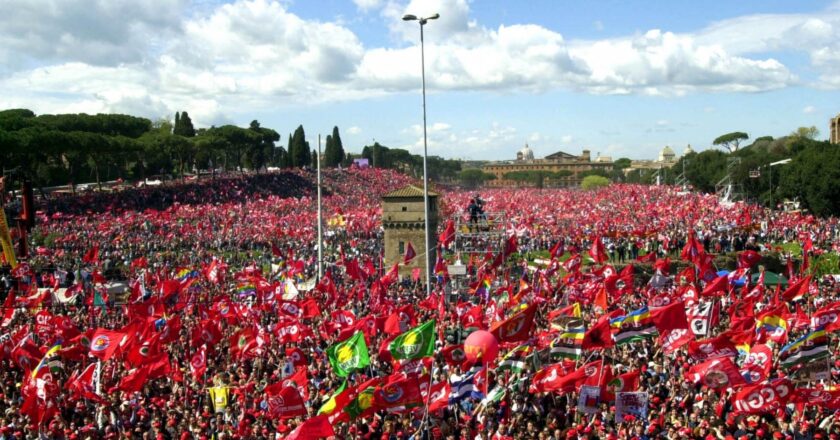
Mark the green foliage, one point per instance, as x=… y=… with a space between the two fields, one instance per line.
x=474 y=177
x=299 y=153
x=595 y=172
x=536 y=177
x=731 y=141
x=594 y=182
x=806 y=132
x=825 y=264
x=438 y=168
x=334 y=151
x=813 y=175
x=622 y=163
x=183 y=125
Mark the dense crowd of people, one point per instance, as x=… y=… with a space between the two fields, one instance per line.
x=194 y=311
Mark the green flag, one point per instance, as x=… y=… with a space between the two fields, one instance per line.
x=349 y=355
x=416 y=343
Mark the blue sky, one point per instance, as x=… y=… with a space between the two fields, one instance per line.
x=620 y=78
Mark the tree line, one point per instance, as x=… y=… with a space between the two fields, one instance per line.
x=54 y=150
x=760 y=172
x=438 y=168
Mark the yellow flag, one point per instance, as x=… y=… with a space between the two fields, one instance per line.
x=6 y=241
x=219 y=396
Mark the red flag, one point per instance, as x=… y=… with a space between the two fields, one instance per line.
x=243 y=344
x=762 y=398
x=299 y=381
x=673 y=327
x=284 y=402
x=715 y=373
x=757 y=366
x=711 y=348
x=439 y=396
x=719 y=284
x=198 y=364
x=207 y=332
x=827 y=316
x=621 y=383
x=84 y=385
x=797 y=290
x=600 y=300
x=104 y=343
x=91 y=256
x=599 y=336
x=557 y=249
x=400 y=390
x=516 y=328
x=511 y=246
x=748 y=259
x=391 y=276
x=316 y=428
x=552 y=379
x=134 y=380
x=454 y=355
x=353 y=270
x=409 y=253
x=692 y=248
x=597 y=252
x=572 y=264
x=663 y=266
x=448 y=234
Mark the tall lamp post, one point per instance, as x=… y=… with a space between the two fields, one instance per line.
x=423 y=21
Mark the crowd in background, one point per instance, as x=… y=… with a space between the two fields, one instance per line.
x=208 y=263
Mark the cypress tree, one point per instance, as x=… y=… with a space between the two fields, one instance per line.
x=338 y=148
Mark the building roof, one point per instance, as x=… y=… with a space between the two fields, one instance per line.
x=409 y=191
x=667 y=151
x=561 y=155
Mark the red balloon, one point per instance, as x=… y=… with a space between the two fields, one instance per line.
x=481 y=344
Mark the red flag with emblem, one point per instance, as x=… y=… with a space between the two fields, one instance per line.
x=284 y=402
x=104 y=343
x=516 y=328
x=198 y=364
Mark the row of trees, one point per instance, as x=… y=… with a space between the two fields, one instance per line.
x=53 y=150
x=811 y=176
x=438 y=168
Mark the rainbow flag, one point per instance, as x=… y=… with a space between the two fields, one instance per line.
x=569 y=344
x=635 y=326
x=808 y=348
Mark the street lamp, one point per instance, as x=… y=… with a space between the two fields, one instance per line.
x=423 y=21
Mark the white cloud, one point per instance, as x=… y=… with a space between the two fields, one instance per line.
x=367 y=5
x=809 y=109
x=567 y=139
x=254 y=54
x=354 y=130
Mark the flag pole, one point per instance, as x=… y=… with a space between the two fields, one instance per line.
x=425 y=423
x=320 y=222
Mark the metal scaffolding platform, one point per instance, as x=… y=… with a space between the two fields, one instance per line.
x=487 y=235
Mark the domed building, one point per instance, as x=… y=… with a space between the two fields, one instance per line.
x=570 y=166
x=688 y=150
x=525 y=154
x=667 y=155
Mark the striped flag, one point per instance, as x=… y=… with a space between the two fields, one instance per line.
x=514 y=360
x=635 y=326
x=464 y=388
x=810 y=347
x=569 y=344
